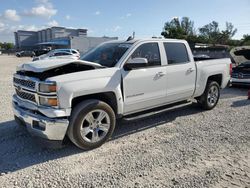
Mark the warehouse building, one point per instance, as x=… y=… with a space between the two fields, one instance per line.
x=57 y=37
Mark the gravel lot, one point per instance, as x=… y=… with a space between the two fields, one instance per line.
x=183 y=147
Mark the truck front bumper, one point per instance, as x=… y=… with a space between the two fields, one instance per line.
x=38 y=125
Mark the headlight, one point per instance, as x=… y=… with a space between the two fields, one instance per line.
x=45 y=101
x=47 y=87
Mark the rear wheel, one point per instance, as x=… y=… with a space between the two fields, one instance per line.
x=211 y=95
x=92 y=123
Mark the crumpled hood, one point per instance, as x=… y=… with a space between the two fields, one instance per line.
x=44 y=65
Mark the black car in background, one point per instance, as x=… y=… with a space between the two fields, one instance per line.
x=241 y=74
x=25 y=54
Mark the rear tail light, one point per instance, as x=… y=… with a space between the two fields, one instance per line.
x=231 y=69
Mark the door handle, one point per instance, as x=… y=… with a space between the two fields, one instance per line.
x=190 y=70
x=160 y=74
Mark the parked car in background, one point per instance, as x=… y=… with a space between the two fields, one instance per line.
x=73 y=51
x=241 y=74
x=56 y=54
x=25 y=54
x=39 y=52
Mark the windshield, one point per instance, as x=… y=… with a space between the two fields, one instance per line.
x=107 y=54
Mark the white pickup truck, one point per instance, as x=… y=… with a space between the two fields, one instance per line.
x=81 y=99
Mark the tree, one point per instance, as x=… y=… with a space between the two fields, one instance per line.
x=6 y=45
x=210 y=32
x=246 y=40
x=226 y=35
x=213 y=35
x=183 y=29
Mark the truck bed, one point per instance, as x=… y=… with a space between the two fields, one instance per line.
x=211 y=67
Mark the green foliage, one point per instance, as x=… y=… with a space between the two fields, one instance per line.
x=246 y=40
x=183 y=29
x=213 y=35
x=210 y=33
x=6 y=45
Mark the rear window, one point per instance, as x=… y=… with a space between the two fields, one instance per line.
x=176 y=53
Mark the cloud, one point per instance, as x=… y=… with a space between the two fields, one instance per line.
x=8 y=29
x=116 y=28
x=67 y=17
x=128 y=15
x=42 y=1
x=2 y=26
x=32 y=28
x=97 y=13
x=41 y=11
x=11 y=15
x=52 y=23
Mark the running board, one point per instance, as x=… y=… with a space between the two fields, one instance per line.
x=156 y=111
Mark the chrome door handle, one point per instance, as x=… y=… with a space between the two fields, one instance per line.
x=190 y=70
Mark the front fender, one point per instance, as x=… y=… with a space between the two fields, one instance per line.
x=69 y=90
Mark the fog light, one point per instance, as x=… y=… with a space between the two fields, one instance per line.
x=39 y=125
x=48 y=101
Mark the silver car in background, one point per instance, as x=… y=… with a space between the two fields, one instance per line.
x=59 y=53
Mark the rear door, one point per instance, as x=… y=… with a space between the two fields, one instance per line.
x=145 y=87
x=180 y=72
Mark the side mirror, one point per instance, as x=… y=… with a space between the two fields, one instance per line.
x=136 y=63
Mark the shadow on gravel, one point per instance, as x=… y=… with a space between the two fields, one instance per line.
x=233 y=92
x=129 y=127
x=18 y=149
x=241 y=103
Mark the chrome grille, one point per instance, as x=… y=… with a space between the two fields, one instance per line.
x=25 y=83
x=27 y=96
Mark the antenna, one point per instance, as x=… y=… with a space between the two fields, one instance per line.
x=131 y=37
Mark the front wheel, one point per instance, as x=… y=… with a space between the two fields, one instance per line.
x=211 y=95
x=92 y=122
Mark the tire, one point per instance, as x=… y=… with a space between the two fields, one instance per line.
x=209 y=99
x=92 y=123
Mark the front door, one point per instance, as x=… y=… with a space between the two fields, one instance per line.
x=145 y=87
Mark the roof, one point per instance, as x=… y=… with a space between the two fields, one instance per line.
x=149 y=39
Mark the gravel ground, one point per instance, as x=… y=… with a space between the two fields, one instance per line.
x=183 y=147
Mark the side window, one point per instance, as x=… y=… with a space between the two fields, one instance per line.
x=61 y=53
x=150 y=51
x=176 y=53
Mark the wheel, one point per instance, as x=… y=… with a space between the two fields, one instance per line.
x=209 y=99
x=92 y=122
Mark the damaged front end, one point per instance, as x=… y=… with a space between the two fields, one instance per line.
x=35 y=102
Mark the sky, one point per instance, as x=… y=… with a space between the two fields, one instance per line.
x=119 y=18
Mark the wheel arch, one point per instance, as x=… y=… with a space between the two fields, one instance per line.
x=217 y=78
x=107 y=97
